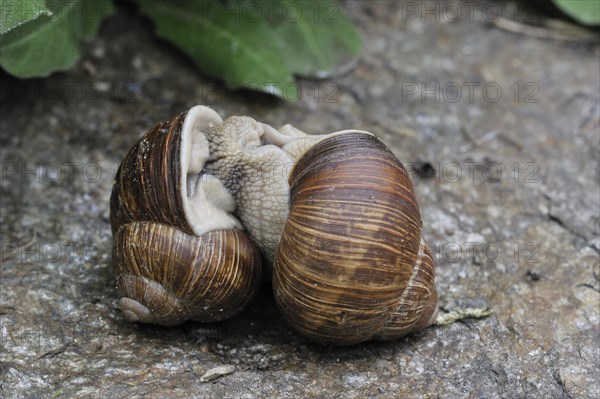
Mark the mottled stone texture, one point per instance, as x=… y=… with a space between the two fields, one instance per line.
x=511 y=213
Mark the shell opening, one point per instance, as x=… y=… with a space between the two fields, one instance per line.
x=207 y=204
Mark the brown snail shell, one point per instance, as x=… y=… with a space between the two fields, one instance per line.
x=351 y=265
x=178 y=253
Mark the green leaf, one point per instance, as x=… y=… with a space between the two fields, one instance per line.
x=315 y=37
x=257 y=44
x=18 y=12
x=220 y=43
x=586 y=12
x=50 y=42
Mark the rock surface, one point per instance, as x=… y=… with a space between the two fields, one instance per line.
x=507 y=179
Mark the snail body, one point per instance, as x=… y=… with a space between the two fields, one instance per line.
x=334 y=218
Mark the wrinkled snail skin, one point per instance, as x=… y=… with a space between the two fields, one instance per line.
x=178 y=251
x=352 y=265
x=198 y=201
x=256 y=176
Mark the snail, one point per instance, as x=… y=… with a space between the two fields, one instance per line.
x=201 y=207
x=179 y=254
x=352 y=265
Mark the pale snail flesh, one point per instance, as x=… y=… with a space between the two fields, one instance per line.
x=333 y=216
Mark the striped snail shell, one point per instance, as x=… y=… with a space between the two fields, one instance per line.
x=179 y=253
x=352 y=265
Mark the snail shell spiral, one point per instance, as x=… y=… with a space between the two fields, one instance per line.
x=351 y=265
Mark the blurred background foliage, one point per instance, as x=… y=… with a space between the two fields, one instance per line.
x=253 y=44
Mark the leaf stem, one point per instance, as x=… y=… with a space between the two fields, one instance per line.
x=460 y=314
